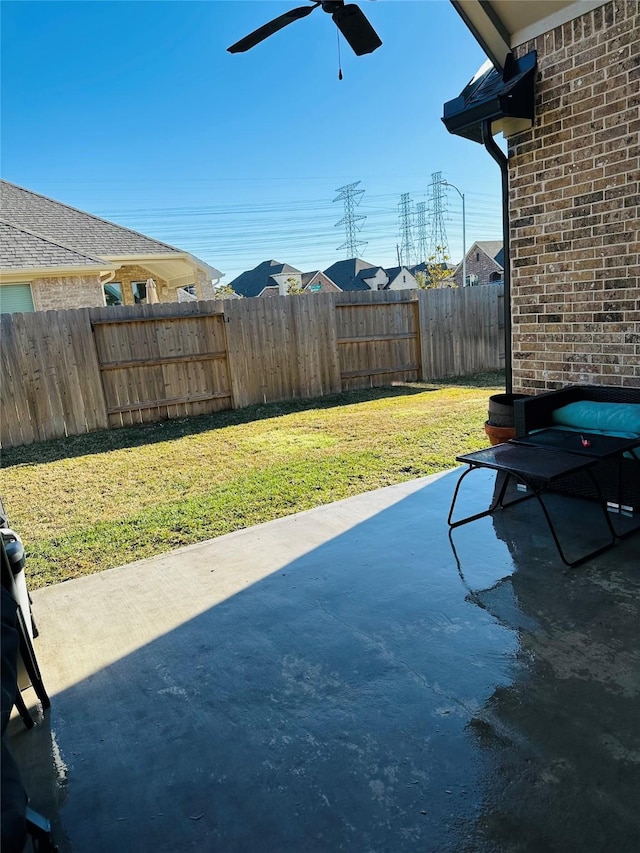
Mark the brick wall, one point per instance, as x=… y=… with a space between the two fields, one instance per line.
x=480 y=264
x=54 y=294
x=326 y=285
x=204 y=287
x=125 y=275
x=574 y=183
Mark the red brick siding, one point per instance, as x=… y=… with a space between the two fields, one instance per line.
x=484 y=268
x=327 y=286
x=574 y=183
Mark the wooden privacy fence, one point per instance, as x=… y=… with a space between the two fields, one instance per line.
x=154 y=367
x=70 y=372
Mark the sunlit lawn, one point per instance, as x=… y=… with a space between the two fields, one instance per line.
x=91 y=502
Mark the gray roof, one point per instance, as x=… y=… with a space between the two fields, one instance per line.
x=73 y=228
x=351 y=274
x=253 y=282
x=493 y=248
x=394 y=272
x=22 y=250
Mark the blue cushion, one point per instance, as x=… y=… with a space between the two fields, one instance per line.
x=591 y=416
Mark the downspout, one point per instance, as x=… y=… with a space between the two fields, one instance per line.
x=502 y=161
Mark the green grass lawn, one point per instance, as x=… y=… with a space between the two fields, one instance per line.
x=91 y=502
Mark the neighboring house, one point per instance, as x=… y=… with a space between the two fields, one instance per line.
x=356 y=274
x=400 y=278
x=318 y=282
x=305 y=282
x=572 y=171
x=426 y=270
x=485 y=260
x=53 y=256
x=269 y=278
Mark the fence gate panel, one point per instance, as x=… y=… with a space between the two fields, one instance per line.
x=169 y=362
x=378 y=340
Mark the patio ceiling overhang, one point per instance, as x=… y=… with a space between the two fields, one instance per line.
x=501 y=25
x=18 y=276
x=177 y=269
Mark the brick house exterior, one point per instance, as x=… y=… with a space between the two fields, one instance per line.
x=484 y=264
x=56 y=293
x=574 y=182
x=573 y=190
x=318 y=282
x=55 y=257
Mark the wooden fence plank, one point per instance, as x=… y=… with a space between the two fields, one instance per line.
x=16 y=423
x=94 y=368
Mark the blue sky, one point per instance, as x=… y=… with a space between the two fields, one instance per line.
x=134 y=111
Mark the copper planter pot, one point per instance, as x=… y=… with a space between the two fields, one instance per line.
x=498 y=434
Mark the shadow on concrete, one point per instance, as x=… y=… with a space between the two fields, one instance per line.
x=368 y=693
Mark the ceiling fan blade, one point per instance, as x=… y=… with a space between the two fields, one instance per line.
x=358 y=32
x=272 y=27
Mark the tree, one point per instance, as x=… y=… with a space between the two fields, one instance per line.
x=223 y=290
x=294 y=287
x=438 y=273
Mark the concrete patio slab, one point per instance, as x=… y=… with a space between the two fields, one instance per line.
x=349 y=678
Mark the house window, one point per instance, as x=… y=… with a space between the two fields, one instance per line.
x=16 y=299
x=187 y=294
x=495 y=276
x=112 y=293
x=139 y=289
x=477 y=257
x=472 y=280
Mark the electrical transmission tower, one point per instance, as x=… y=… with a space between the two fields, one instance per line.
x=406 y=244
x=421 y=229
x=438 y=244
x=351 y=198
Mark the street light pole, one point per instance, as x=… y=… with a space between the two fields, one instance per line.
x=464 y=236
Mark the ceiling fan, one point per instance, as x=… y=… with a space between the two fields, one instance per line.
x=349 y=19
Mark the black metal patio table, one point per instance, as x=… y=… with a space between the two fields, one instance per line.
x=581 y=443
x=537 y=468
x=595 y=445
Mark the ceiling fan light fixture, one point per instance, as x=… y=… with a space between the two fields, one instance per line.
x=349 y=18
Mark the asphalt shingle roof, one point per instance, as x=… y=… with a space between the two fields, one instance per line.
x=253 y=282
x=21 y=249
x=493 y=248
x=351 y=274
x=393 y=272
x=73 y=228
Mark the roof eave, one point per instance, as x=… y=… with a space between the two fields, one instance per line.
x=487 y=22
x=181 y=257
x=28 y=274
x=486 y=28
